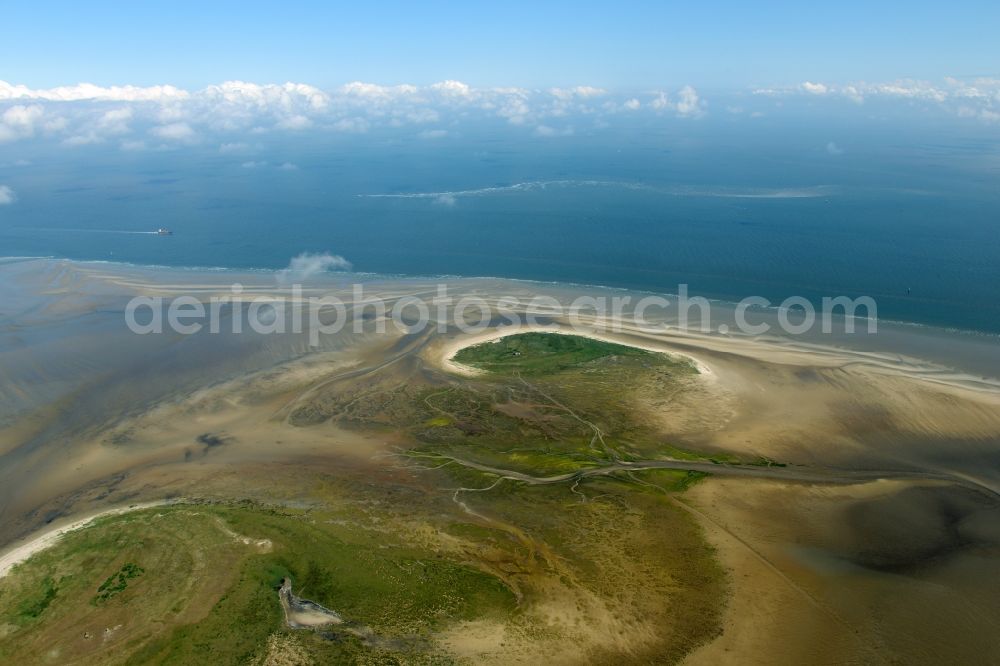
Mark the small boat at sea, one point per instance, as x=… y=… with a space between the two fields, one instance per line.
x=164 y=232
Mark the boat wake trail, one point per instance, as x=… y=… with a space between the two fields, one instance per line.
x=97 y=231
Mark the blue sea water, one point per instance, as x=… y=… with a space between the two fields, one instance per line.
x=909 y=215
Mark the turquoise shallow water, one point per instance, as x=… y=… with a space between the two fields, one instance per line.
x=910 y=221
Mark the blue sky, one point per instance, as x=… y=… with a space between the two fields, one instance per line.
x=615 y=45
x=157 y=76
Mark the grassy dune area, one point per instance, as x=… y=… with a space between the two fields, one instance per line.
x=540 y=354
x=556 y=392
x=198 y=584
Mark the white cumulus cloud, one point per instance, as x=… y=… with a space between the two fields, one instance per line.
x=268 y=96
x=296 y=122
x=20 y=121
x=352 y=125
x=578 y=91
x=89 y=91
x=116 y=121
x=229 y=112
x=373 y=90
x=976 y=98
x=689 y=104
x=452 y=88
x=173 y=132
x=306 y=265
x=661 y=101
x=6 y=195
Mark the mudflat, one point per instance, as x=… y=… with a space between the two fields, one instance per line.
x=574 y=494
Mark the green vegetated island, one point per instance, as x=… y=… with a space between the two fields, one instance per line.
x=512 y=503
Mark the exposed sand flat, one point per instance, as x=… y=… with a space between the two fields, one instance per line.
x=93 y=416
x=809 y=568
x=767 y=348
x=858 y=407
x=769 y=351
x=835 y=349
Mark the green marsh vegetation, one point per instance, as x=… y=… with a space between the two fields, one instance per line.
x=174 y=585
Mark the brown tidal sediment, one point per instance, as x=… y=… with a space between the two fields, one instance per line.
x=877 y=535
